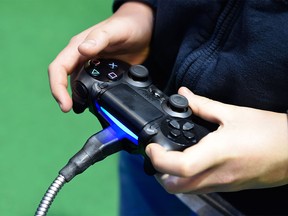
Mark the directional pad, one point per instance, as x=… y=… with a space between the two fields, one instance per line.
x=175 y=133
x=174 y=124
x=189 y=135
x=180 y=131
x=188 y=126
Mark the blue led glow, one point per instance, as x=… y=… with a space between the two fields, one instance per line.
x=119 y=126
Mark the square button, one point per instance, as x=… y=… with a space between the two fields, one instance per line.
x=112 y=76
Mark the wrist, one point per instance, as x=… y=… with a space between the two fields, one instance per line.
x=118 y=3
x=135 y=9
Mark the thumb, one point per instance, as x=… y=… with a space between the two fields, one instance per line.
x=96 y=41
x=203 y=107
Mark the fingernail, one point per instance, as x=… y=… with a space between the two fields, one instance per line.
x=170 y=180
x=148 y=150
x=163 y=177
x=186 y=91
x=167 y=180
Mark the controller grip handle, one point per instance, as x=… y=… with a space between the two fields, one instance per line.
x=148 y=166
x=78 y=105
x=79 y=97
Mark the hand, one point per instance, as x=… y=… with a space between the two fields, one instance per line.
x=125 y=35
x=248 y=150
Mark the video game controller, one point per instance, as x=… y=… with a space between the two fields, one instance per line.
x=123 y=97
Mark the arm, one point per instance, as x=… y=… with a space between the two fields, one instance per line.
x=125 y=35
x=249 y=150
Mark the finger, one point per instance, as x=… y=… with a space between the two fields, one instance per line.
x=58 y=86
x=96 y=41
x=130 y=24
x=63 y=65
x=104 y=36
x=208 y=181
x=190 y=162
x=165 y=161
x=205 y=108
x=174 y=184
x=59 y=69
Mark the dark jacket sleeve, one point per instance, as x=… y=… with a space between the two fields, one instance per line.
x=118 y=3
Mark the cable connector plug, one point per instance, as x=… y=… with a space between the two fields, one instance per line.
x=96 y=148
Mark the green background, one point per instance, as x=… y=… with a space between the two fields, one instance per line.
x=36 y=138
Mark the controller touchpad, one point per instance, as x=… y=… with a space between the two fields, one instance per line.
x=129 y=106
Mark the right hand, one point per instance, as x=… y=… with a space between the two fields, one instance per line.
x=247 y=151
x=125 y=35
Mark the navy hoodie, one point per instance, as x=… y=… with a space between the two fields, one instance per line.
x=231 y=51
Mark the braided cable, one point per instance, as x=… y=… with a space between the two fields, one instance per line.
x=50 y=195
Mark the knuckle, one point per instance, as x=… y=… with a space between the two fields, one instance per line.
x=50 y=68
x=75 y=39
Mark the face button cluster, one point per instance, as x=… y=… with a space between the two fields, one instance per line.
x=105 y=70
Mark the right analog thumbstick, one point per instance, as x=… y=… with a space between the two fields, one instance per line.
x=138 y=73
x=178 y=103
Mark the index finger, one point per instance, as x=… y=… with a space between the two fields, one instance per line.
x=58 y=71
x=190 y=162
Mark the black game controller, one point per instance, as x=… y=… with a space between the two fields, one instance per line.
x=123 y=98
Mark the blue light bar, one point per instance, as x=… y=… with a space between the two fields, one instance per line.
x=127 y=132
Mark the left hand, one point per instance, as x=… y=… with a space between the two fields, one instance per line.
x=249 y=150
x=125 y=35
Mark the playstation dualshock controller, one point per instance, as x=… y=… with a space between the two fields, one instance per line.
x=133 y=113
x=124 y=99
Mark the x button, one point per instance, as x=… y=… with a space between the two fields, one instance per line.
x=113 y=65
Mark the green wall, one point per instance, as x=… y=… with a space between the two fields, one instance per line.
x=36 y=138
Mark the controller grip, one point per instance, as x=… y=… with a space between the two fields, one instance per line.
x=78 y=107
x=148 y=166
x=79 y=97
